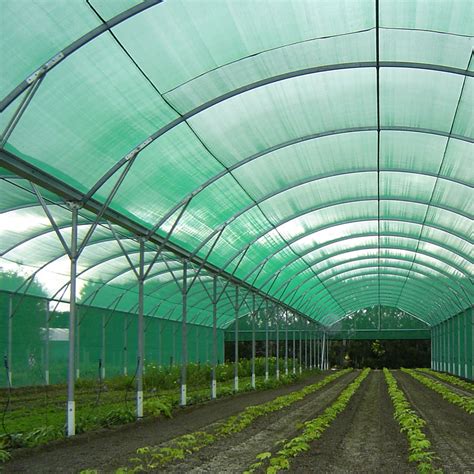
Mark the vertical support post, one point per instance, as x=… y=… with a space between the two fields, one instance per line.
x=266 y=340
x=125 y=343
x=184 y=335
x=286 y=343
x=10 y=341
x=300 y=360
x=236 y=341
x=214 y=339
x=102 y=356
x=78 y=346
x=160 y=348
x=253 y=342
x=470 y=344
x=431 y=349
x=71 y=406
x=310 y=343
x=46 y=344
x=306 y=349
x=462 y=347
x=277 y=364
x=322 y=351
x=141 y=351
x=328 y=347
x=318 y=347
x=294 y=351
x=197 y=355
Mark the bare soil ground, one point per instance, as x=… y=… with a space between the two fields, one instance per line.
x=235 y=454
x=449 y=428
x=109 y=449
x=455 y=388
x=364 y=438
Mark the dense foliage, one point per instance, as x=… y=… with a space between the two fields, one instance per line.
x=378 y=354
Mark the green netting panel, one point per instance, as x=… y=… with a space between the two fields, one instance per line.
x=452 y=345
x=39 y=32
x=213 y=34
x=280 y=161
x=463 y=121
x=287 y=110
x=123 y=110
x=106 y=338
x=107 y=9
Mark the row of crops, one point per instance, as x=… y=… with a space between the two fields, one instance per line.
x=286 y=452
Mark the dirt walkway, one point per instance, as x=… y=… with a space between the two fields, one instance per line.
x=234 y=454
x=364 y=438
x=449 y=428
x=108 y=449
x=454 y=388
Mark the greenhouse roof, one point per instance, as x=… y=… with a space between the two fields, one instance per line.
x=320 y=152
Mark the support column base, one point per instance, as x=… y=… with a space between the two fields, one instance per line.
x=183 y=397
x=71 y=418
x=139 y=405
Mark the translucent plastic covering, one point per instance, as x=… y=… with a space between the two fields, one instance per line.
x=322 y=156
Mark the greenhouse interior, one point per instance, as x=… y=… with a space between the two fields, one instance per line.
x=207 y=200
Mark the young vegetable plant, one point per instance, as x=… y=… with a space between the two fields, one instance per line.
x=450 y=379
x=411 y=424
x=466 y=403
x=312 y=430
x=150 y=458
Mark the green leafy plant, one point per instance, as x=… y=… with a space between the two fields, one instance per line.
x=411 y=424
x=449 y=378
x=149 y=458
x=311 y=430
x=466 y=403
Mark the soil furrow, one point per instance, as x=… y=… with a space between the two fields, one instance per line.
x=107 y=450
x=364 y=438
x=455 y=388
x=236 y=453
x=449 y=428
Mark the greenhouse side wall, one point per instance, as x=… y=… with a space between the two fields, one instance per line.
x=34 y=342
x=452 y=345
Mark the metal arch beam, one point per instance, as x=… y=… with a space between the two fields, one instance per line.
x=278 y=78
x=319 y=291
x=337 y=223
x=399 y=309
x=128 y=238
x=74 y=46
x=370 y=266
x=386 y=247
x=395 y=257
x=409 y=306
x=302 y=284
x=371 y=293
x=322 y=303
x=25 y=170
x=369 y=270
x=371 y=296
x=306 y=138
x=312 y=180
x=412 y=299
x=359 y=235
x=369 y=300
x=364 y=247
